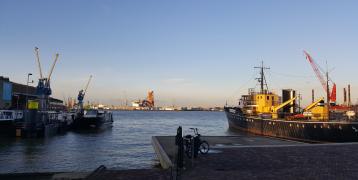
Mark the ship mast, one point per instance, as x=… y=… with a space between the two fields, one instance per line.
x=262 y=79
x=328 y=96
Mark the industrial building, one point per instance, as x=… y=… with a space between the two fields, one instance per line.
x=13 y=95
x=147 y=103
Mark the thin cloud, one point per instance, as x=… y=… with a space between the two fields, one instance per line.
x=176 y=81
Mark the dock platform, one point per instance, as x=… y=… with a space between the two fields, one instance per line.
x=241 y=157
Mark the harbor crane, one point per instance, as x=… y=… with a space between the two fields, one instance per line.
x=38 y=61
x=274 y=109
x=43 y=89
x=312 y=105
x=81 y=94
x=318 y=71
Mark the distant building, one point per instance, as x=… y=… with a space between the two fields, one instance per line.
x=147 y=103
x=136 y=104
x=169 y=109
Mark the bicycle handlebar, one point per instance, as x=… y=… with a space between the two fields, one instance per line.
x=195 y=130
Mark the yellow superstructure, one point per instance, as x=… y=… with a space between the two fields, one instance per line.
x=319 y=113
x=264 y=102
x=269 y=104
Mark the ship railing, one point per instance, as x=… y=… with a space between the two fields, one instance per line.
x=19 y=114
x=6 y=115
x=91 y=113
x=54 y=116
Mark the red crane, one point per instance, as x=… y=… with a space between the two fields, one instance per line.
x=333 y=96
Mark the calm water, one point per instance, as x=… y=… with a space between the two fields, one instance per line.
x=125 y=146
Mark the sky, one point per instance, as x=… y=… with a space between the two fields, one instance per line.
x=190 y=52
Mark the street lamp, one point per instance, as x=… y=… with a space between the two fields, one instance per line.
x=17 y=101
x=27 y=88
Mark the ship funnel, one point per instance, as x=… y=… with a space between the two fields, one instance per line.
x=345 y=96
x=349 y=95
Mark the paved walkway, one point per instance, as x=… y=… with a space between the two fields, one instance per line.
x=267 y=158
x=300 y=162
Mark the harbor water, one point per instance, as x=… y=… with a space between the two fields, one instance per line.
x=127 y=145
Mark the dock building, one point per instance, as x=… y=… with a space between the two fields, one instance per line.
x=13 y=95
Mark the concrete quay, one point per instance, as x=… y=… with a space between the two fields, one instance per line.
x=134 y=174
x=242 y=157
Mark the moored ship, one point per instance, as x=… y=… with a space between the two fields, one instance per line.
x=90 y=118
x=266 y=113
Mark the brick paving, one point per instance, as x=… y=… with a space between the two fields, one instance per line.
x=293 y=162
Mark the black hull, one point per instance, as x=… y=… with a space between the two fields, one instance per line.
x=33 y=127
x=12 y=130
x=7 y=128
x=92 y=123
x=309 y=131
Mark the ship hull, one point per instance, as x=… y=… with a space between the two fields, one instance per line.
x=309 y=131
x=84 y=123
x=7 y=128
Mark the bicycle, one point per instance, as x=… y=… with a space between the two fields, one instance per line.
x=194 y=142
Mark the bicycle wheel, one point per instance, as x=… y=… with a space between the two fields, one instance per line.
x=204 y=147
x=188 y=150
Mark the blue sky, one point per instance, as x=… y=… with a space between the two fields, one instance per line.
x=190 y=52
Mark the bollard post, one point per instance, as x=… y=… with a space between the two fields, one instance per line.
x=180 y=155
x=196 y=146
x=179 y=135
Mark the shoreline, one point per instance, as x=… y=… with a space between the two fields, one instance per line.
x=147 y=174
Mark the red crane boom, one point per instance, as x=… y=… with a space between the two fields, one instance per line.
x=333 y=96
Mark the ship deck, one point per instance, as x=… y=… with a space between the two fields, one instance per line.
x=307 y=121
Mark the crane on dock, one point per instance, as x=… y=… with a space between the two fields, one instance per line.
x=82 y=93
x=43 y=89
x=318 y=71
